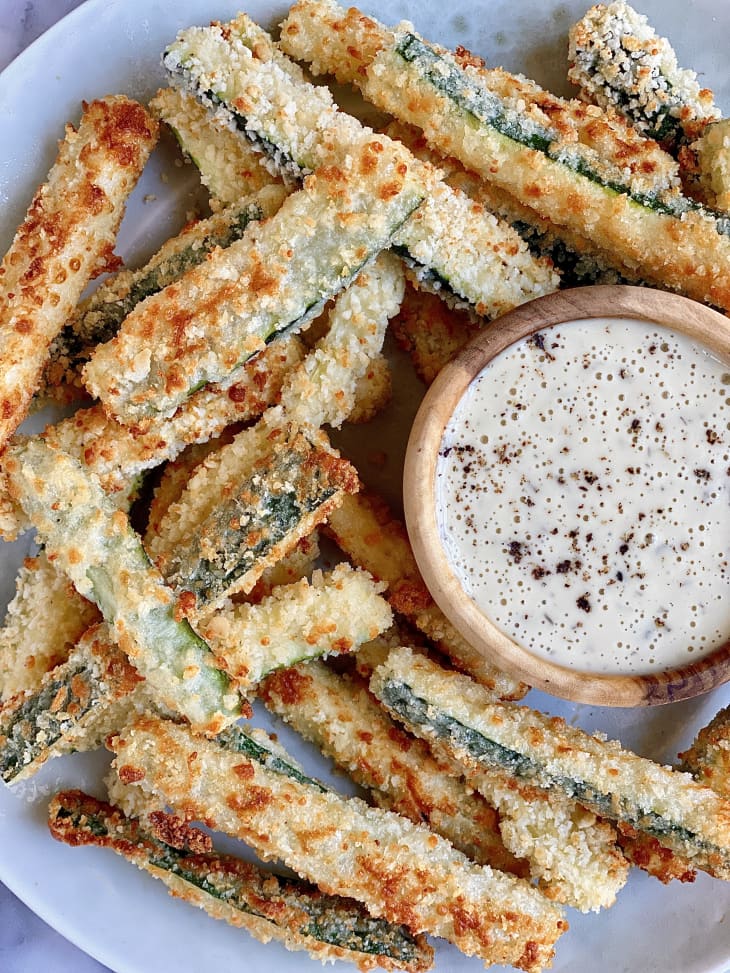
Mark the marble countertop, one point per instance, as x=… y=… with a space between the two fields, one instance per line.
x=27 y=944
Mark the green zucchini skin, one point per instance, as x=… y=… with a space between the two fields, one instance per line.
x=236 y=739
x=295 y=910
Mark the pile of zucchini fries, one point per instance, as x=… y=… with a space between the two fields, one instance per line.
x=215 y=369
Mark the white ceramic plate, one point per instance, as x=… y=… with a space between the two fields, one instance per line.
x=117 y=914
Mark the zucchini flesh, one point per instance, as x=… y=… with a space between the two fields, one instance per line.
x=293 y=910
x=271 y=282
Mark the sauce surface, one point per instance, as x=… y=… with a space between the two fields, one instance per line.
x=583 y=490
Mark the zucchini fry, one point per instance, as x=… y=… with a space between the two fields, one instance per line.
x=244 y=510
x=431 y=332
x=373 y=539
x=450 y=245
x=574 y=857
x=618 y=62
x=398 y=870
x=264 y=904
x=44 y=620
x=298 y=563
x=339 y=715
x=229 y=166
x=93 y=542
x=708 y=759
x=66 y=238
x=335 y=612
x=77 y=705
x=620 y=786
x=576 y=258
x=579 y=167
x=323 y=390
x=272 y=281
x=98 y=319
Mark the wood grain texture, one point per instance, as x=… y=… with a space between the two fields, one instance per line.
x=707 y=327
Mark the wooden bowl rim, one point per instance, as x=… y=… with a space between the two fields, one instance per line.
x=708 y=327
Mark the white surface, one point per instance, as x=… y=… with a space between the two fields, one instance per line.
x=113 y=912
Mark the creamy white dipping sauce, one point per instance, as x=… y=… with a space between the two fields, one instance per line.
x=583 y=492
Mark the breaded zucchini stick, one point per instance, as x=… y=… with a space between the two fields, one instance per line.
x=229 y=167
x=118 y=454
x=398 y=870
x=708 y=759
x=272 y=281
x=98 y=318
x=77 y=705
x=244 y=510
x=574 y=857
x=578 y=167
x=449 y=245
x=323 y=390
x=576 y=258
x=431 y=332
x=93 y=542
x=620 y=786
x=66 y=238
x=334 y=612
x=298 y=563
x=339 y=715
x=264 y=904
x=373 y=539
x=43 y=622
x=618 y=61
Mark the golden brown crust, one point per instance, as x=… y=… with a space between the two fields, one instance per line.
x=66 y=238
x=708 y=759
x=647 y=854
x=431 y=332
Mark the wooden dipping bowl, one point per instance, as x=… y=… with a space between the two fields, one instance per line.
x=710 y=329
